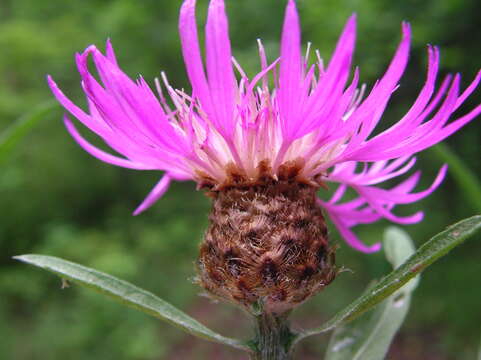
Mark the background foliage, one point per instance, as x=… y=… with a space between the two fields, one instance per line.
x=56 y=200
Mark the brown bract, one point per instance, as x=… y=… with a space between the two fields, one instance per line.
x=266 y=244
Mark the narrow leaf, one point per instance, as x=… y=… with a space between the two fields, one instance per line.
x=369 y=336
x=129 y=295
x=428 y=253
x=398 y=247
x=15 y=132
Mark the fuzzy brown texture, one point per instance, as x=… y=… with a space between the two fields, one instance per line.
x=266 y=245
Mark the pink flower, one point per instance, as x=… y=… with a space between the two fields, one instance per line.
x=314 y=116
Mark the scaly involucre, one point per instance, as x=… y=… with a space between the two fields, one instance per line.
x=238 y=130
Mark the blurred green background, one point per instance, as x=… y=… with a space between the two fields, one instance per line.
x=57 y=200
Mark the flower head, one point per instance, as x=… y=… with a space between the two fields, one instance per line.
x=315 y=125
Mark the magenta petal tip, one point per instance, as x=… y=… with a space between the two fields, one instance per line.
x=372 y=249
x=156 y=193
x=406 y=29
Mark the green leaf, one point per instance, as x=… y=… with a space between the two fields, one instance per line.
x=129 y=295
x=398 y=247
x=369 y=336
x=468 y=182
x=428 y=253
x=10 y=137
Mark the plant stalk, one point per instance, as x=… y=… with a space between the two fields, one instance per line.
x=273 y=337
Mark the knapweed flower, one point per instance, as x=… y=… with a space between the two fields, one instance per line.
x=264 y=146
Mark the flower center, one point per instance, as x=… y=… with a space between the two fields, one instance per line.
x=266 y=245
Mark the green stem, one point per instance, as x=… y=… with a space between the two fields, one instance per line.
x=273 y=337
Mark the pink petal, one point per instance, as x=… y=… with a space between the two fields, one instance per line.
x=192 y=54
x=74 y=109
x=469 y=90
x=154 y=195
x=352 y=239
x=102 y=155
x=318 y=110
x=371 y=110
x=339 y=218
x=110 y=52
x=290 y=70
x=219 y=67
